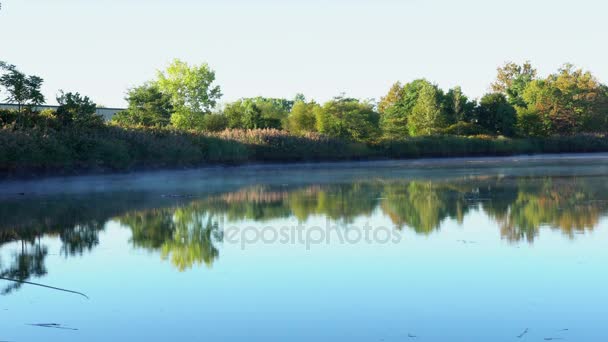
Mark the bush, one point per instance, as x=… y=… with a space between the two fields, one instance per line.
x=48 y=147
x=465 y=129
x=75 y=109
x=215 y=122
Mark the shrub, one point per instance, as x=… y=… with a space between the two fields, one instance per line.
x=464 y=128
x=215 y=122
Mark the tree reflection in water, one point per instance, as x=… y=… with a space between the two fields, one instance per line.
x=188 y=233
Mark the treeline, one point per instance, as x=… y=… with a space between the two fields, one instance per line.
x=570 y=101
x=176 y=120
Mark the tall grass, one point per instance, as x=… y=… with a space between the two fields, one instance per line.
x=35 y=145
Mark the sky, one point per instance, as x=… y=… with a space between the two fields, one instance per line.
x=280 y=48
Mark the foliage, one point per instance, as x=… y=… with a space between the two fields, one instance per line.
x=302 y=117
x=259 y=112
x=396 y=107
x=22 y=89
x=465 y=129
x=569 y=102
x=148 y=106
x=394 y=96
x=427 y=117
x=458 y=107
x=496 y=114
x=191 y=90
x=530 y=124
x=564 y=112
x=348 y=118
x=75 y=109
x=215 y=122
x=512 y=79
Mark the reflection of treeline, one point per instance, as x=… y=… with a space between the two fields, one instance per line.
x=186 y=231
x=75 y=220
x=520 y=205
x=187 y=234
x=571 y=205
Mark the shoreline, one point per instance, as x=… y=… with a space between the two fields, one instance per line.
x=211 y=177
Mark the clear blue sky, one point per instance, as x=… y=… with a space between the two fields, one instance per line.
x=279 y=48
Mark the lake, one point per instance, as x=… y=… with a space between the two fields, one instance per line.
x=489 y=249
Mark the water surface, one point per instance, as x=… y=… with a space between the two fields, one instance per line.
x=461 y=250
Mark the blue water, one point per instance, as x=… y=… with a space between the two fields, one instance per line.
x=508 y=250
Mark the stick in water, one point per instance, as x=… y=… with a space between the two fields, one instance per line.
x=46 y=286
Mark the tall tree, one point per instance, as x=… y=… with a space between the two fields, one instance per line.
x=191 y=90
x=75 y=109
x=496 y=114
x=512 y=79
x=457 y=106
x=569 y=101
x=426 y=117
x=148 y=106
x=302 y=117
x=258 y=112
x=394 y=96
x=22 y=89
x=349 y=119
x=396 y=108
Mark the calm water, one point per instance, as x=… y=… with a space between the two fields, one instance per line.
x=483 y=250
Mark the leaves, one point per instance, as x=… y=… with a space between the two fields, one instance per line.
x=21 y=89
x=191 y=90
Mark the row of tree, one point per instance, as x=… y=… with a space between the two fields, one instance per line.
x=570 y=101
x=25 y=91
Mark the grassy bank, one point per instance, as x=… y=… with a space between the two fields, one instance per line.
x=45 y=150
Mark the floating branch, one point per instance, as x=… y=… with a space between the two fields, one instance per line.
x=46 y=286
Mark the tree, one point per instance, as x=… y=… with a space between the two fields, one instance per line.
x=426 y=117
x=512 y=79
x=22 y=89
x=394 y=96
x=75 y=109
x=258 y=112
x=348 y=118
x=568 y=102
x=148 y=106
x=191 y=90
x=458 y=107
x=215 y=122
x=396 y=108
x=302 y=117
x=251 y=116
x=496 y=114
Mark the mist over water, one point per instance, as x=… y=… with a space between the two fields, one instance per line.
x=464 y=250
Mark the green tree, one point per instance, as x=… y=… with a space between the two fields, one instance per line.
x=215 y=122
x=349 y=119
x=457 y=106
x=512 y=79
x=22 y=89
x=427 y=117
x=302 y=117
x=496 y=114
x=75 y=109
x=569 y=102
x=257 y=112
x=191 y=90
x=396 y=107
x=148 y=106
x=530 y=123
x=394 y=96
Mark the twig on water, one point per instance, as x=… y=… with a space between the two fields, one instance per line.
x=45 y=286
